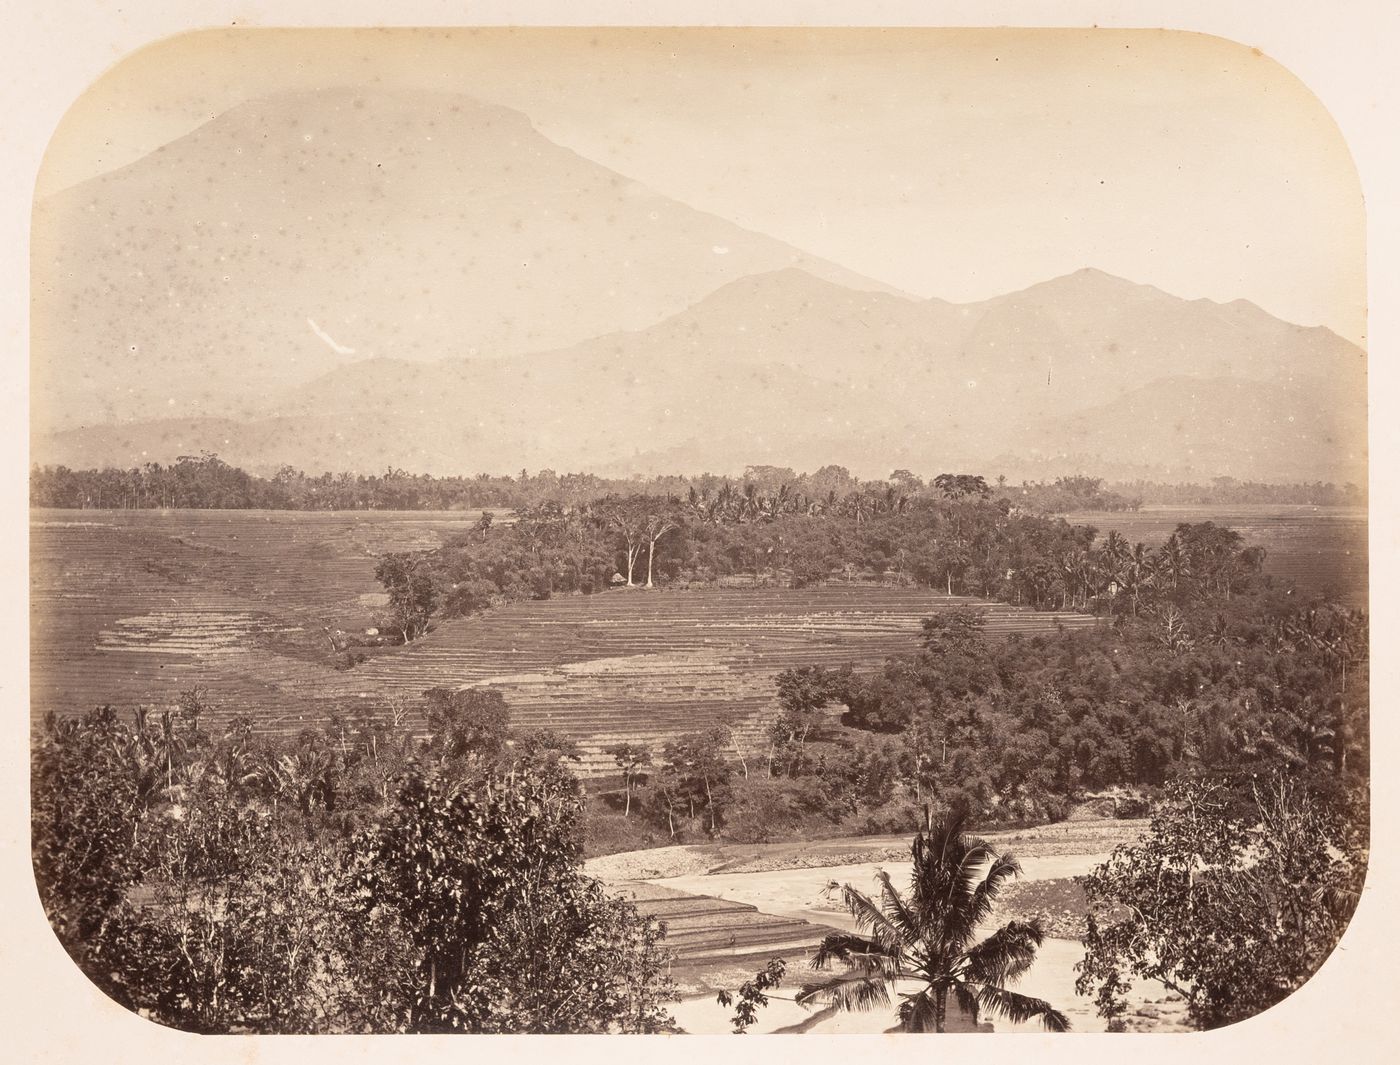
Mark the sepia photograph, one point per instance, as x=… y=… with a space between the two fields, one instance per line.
x=698 y=530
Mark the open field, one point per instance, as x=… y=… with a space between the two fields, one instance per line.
x=1321 y=549
x=130 y=607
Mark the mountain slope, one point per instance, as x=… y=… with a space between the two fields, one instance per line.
x=790 y=369
x=1089 y=337
x=352 y=279
x=299 y=232
x=1298 y=430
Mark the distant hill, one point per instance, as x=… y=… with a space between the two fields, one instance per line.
x=1300 y=430
x=793 y=370
x=406 y=225
x=208 y=298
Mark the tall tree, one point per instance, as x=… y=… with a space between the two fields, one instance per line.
x=655 y=526
x=632 y=759
x=696 y=764
x=628 y=518
x=413 y=596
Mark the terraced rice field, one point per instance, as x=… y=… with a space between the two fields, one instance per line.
x=702 y=930
x=131 y=607
x=1321 y=549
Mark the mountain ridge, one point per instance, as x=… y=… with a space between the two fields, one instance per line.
x=188 y=279
x=741 y=374
x=423 y=279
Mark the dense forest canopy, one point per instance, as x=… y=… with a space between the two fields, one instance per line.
x=1194 y=686
x=358 y=878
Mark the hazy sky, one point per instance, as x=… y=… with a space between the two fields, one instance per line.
x=955 y=163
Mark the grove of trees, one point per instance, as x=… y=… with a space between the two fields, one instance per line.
x=1207 y=670
x=961 y=542
x=358 y=878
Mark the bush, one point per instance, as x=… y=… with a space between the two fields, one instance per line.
x=1232 y=911
x=530 y=945
x=762 y=810
x=470 y=597
x=608 y=832
x=810 y=572
x=889 y=819
x=1131 y=807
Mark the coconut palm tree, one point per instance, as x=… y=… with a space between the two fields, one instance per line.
x=930 y=938
x=1137 y=573
x=1113 y=565
x=1173 y=561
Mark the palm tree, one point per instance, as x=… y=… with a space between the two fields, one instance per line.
x=1114 y=563
x=1137 y=571
x=929 y=937
x=1173 y=561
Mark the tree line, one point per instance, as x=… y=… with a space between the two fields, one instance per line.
x=1231 y=491
x=204 y=481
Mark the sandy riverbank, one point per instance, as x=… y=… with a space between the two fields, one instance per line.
x=791 y=880
x=1065 y=838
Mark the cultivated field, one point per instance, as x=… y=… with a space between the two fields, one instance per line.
x=1321 y=549
x=130 y=607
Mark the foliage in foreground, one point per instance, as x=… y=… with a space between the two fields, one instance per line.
x=456 y=905
x=751 y=997
x=929 y=938
x=1232 y=905
x=507 y=935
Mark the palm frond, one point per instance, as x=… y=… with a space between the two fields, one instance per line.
x=846 y=993
x=870 y=918
x=999 y=1002
x=980 y=899
x=967 y=1002
x=857 y=952
x=1006 y=954
x=1004 y=867
x=896 y=909
x=945 y=889
x=919 y=1013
